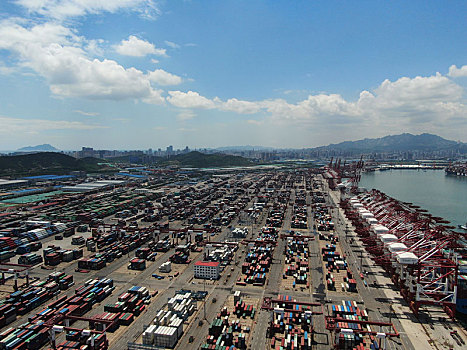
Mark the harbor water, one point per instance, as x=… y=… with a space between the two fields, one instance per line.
x=442 y=195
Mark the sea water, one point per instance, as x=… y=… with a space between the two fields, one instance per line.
x=442 y=195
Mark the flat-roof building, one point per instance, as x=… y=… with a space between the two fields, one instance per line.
x=207 y=269
x=12 y=183
x=91 y=186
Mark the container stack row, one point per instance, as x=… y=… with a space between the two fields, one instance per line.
x=113 y=245
x=292 y=325
x=226 y=334
x=351 y=335
x=23 y=240
x=54 y=255
x=241 y=309
x=256 y=265
x=92 y=342
x=34 y=334
x=276 y=215
x=129 y=305
x=337 y=269
x=25 y=300
x=299 y=214
x=167 y=326
x=322 y=217
x=296 y=262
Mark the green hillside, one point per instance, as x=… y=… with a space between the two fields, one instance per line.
x=47 y=163
x=201 y=160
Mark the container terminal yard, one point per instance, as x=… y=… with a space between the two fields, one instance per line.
x=286 y=258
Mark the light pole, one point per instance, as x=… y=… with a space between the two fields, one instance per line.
x=391 y=310
x=204 y=284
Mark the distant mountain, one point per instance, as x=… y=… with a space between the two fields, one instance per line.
x=39 y=148
x=398 y=143
x=47 y=163
x=201 y=160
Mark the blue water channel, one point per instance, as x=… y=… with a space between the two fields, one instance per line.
x=442 y=195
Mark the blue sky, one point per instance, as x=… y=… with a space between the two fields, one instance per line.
x=137 y=74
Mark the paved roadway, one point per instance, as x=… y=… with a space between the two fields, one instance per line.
x=184 y=281
x=220 y=290
x=375 y=299
x=123 y=281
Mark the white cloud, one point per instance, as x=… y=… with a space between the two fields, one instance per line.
x=123 y=120
x=88 y=114
x=185 y=115
x=155 y=97
x=294 y=92
x=255 y=122
x=159 y=128
x=187 y=129
x=189 y=99
x=457 y=72
x=242 y=107
x=405 y=90
x=16 y=125
x=15 y=37
x=94 y=47
x=5 y=70
x=138 y=48
x=161 y=77
x=63 y=9
x=417 y=101
x=55 y=53
x=420 y=103
x=70 y=74
x=404 y=102
x=65 y=60
x=153 y=60
x=172 y=44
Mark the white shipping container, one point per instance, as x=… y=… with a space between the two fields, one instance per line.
x=166 y=267
x=148 y=335
x=178 y=324
x=158 y=316
x=237 y=296
x=165 y=337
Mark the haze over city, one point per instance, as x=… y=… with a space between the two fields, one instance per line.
x=144 y=74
